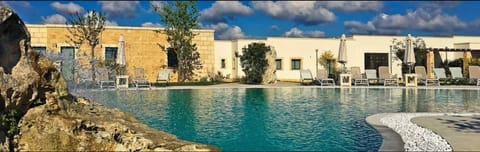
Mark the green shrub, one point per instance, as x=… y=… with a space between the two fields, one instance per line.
x=254 y=62
x=9 y=122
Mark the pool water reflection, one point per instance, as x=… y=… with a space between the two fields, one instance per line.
x=266 y=119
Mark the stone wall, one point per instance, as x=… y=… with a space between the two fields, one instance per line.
x=141 y=47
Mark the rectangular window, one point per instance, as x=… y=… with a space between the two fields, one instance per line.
x=172 y=58
x=40 y=50
x=223 y=64
x=111 y=53
x=374 y=60
x=296 y=64
x=278 y=64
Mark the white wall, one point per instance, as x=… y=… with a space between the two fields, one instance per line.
x=223 y=50
x=357 y=46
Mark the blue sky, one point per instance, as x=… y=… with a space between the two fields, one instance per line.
x=259 y=19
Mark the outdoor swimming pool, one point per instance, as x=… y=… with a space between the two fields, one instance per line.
x=266 y=119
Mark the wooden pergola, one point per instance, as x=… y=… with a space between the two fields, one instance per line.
x=467 y=56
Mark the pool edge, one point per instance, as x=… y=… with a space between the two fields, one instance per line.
x=391 y=139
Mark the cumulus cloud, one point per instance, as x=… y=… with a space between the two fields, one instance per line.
x=303 y=12
x=120 y=9
x=356 y=27
x=150 y=24
x=54 y=19
x=68 y=8
x=157 y=4
x=224 y=31
x=352 y=6
x=432 y=20
x=24 y=4
x=4 y=3
x=222 y=11
x=274 y=27
x=295 y=32
x=111 y=23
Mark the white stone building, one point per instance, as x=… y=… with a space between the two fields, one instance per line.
x=365 y=51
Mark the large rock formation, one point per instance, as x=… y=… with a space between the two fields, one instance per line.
x=38 y=112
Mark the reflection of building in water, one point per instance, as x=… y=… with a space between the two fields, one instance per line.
x=410 y=100
x=470 y=100
x=345 y=94
x=427 y=101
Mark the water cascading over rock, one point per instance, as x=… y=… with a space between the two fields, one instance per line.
x=38 y=112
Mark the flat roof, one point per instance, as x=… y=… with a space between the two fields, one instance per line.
x=114 y=27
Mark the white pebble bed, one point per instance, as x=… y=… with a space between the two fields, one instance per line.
x=417 y=138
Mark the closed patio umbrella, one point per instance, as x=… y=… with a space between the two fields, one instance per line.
x=409 y=57
x=121 y=54
x=342 y=52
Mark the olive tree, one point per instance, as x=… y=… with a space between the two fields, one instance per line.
x=253 y=61
x=86 y=29
x=180 y=17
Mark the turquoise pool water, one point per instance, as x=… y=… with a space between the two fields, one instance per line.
x=281 y=119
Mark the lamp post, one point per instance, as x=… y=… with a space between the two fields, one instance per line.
x=316 y=62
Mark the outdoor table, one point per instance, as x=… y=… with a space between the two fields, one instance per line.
x=410 y=80
x=345 y=79
x=122 y=81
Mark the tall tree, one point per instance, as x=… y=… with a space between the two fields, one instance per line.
x=254 y=62
x=86 y=29
x=180 y=17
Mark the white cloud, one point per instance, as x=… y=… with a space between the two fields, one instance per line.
x=356 y=27
x=150 y=24
x=54 y=19
x=221 y=11
x=24 y=4
x=158 y=4
x=224 y=31
x=432 y=20
x=352 y=6
x=274 y=27
x=295 y=32
x=303 y=12
x=4 y=3
x=69 y=8
x=121 y=9
x=111 y=23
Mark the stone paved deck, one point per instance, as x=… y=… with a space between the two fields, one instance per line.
x=461 y=132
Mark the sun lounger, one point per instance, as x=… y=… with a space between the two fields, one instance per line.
x=474 y=73
x=456 y=73
x=357 y=77
x=306 y=76
x=323 y=78
x=440 y=74
x=103 y=79
x=371 y=75
x=422 y=76
x=385 y=76
x=139 y=78
x=163 y=76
